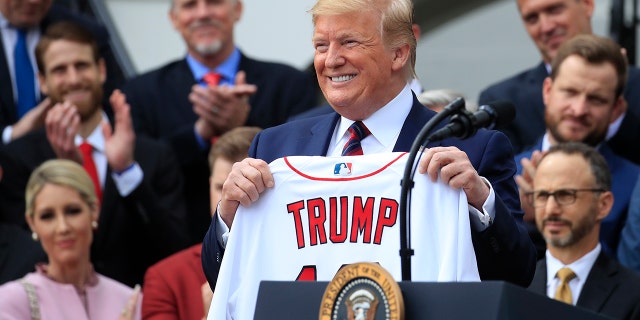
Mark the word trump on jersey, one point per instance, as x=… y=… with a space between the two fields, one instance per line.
x=324 y=212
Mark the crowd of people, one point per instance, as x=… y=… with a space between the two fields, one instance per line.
x=118 y=197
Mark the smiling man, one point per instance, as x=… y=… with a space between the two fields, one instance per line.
x=364 y=61
x=22 y=108
x=137 y=180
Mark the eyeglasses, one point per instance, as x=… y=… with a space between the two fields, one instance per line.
x=563 y=197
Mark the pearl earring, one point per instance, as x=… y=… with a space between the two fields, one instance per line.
x=94 y=225
x=34 y=236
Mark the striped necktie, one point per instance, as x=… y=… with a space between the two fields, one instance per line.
x=25 y=80
x=357 y=132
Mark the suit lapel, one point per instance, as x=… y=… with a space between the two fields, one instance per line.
x=322 y=132
x=254 y=76
x=108 y=208
x=539 y=282
x=181 y=79
x=8 y=112
x=599 y=284
x=417 y=118
x=538 y=75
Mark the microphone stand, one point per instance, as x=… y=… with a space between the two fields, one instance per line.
x=407 y=184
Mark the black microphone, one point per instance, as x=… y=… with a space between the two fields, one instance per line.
x=465 y=124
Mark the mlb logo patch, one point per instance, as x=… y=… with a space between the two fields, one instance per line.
x=342 y=169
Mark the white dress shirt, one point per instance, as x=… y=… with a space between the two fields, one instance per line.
x=580 y=267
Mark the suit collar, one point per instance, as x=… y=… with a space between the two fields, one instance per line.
x=417 y=118
x=599 y=284
x=321 y=131
x=538 y=73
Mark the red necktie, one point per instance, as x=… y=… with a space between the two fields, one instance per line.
x=212 y=78
x=87 y=162
x=357 y=131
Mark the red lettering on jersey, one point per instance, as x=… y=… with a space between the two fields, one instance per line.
x=335 y=235
x=317 y=216
x=386 y=217
x=362 y=219
x=308 y=273
x=295 y=209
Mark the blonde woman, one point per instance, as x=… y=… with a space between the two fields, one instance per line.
x=62 y=211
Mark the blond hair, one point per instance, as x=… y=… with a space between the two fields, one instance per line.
x=60 y=172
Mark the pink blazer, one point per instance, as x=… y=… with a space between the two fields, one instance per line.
x=58 y=301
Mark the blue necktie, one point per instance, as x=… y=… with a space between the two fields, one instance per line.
x=24 y=75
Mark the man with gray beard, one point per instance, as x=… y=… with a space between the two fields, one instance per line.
x=215 y=88
x=572 y=196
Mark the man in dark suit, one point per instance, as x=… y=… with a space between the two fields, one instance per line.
x=575 y=270
x=365 y=79
x=582 y=96
x=550 y=23
x=138 y=180
x=34 y=18
x=175 y=103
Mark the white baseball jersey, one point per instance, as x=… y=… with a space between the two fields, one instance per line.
x=325 y=212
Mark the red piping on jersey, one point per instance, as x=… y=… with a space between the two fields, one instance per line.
x=286 y=160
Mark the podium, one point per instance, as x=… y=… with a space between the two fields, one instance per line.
x=426 y=300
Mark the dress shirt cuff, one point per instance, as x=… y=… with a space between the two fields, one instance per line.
x=6 y=134
x=480 y=220
x=128 y=180
x=222 y=231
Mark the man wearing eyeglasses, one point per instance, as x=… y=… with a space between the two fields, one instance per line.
x=582 y=96
x=571 y=197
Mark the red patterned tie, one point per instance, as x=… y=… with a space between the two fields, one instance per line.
x=357 y=132
x=212 y=78
x=87 y=162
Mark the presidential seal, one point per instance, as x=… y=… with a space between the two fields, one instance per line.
x=362 y=291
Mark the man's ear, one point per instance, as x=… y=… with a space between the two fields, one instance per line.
x=238 y=8
x=605 y=202
x=400 y=57
x=42 y=80
x=546 y=89
x=102 y=68
x=588 y=6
